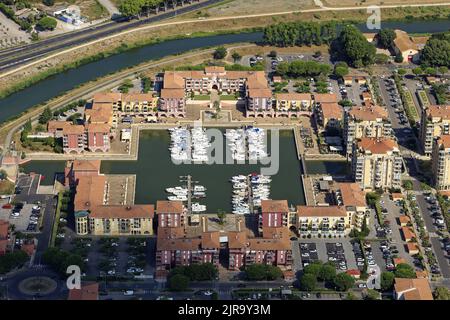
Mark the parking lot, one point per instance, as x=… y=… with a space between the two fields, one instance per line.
x=22 y=216
x=337 y=251
x=113 y=256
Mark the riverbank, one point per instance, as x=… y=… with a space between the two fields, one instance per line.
x=186 y=29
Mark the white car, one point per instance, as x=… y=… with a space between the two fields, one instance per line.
x=128 y=293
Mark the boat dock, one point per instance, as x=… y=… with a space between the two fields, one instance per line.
x=250 y=195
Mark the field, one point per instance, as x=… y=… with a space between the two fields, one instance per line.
x=91 y=9
x=349 y=3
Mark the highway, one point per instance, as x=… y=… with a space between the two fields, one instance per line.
x=16 y=56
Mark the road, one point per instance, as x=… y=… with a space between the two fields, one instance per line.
x=18 y=56
x=13 y=60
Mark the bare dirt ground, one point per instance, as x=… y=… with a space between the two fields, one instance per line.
x=10 y=33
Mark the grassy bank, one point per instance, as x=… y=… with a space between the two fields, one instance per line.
x=124 y=47
x=56 y=221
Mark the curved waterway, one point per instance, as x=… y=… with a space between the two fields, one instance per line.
x=55 y=85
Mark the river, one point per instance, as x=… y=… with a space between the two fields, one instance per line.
x=55 y=85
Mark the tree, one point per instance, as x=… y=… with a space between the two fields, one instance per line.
x=404 y=270
x=401 y=72
x=47 y=23
x=372 y=295
x=257 y=272
x=387 y=281
x=327 y=272
x=48 y=3
x=436 y=52
x=443 y=69
x=236 y=56
x=221 y=215
x=308 y=282
x=300 y=68
x=178 y=282
x=417 y=71
x=12 y=260
x=273 y=54
x=355 y=47
x=381 y=58
x=341 y=69
x=345 y=103
x=398 y=58
x=313 y=268
x=343 y=281
x=441 y=293
x=131 y=8
x=46 y=116
x=386 y=38
x=372 y=198
x=220 y=53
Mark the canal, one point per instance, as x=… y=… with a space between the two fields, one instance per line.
x=155 y=172
x=55 y=85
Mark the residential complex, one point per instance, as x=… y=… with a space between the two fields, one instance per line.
x=377 y=163
x=435 y=122
x=412 y=289
x=441 y=163
x=362 y=122
x=408 y=47
x=178 y=245
x=94 y=212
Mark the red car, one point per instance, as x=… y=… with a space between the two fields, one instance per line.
x=7 y=206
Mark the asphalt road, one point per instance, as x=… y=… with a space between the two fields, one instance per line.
x=17 y=56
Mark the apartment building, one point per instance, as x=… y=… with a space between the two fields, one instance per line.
x=93 y=213
x=441 y=163
x=329 y=115
x=353 y=198
x=79 y=168
x=377 y=163
x=178 y=246
x=293 y=102
x=365 y=122
x=323 y=220
x=435 y=122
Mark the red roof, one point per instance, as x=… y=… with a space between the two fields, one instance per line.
x=88 y=291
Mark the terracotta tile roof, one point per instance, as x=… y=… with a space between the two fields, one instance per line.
x=444 y=141
x=352 y=195
x=332 y=110
x=123 y=212
x=90 y=192
x=266 y=244
x=268 y=206
x=403 y=42
x=423 y=274
x=412 y=248
x=260 y=93
x=397 y=261
x=257 y=80
x=172 y=93
x=136 y=97
x=378 y=145
x=404 y=219
x=88 y=291
x=163 y=206
x=408 y=234
x=413 y=289
x=214 y=69
x=237 y=239
x=293 y=96
x=172 y=80
x=171 y=233
x=211 y=240
x=107 y=97
x=55 y=125
x=397 y=195
x=184 y=244
x=373 y=113
x=353 y=272
x=439 y=111
x=316 y=211
x=74 y=129
x=325 y=97
x=98 y=127
x=86 y=165
x=100 y=113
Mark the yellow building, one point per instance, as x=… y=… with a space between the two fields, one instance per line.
x=441 y=163
x=360 y=122
x=353 y=198
x=323 y=220
x=293 y=101
x=377 y=163
x=435 y=122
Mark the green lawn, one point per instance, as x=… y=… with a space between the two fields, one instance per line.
x=410 y=108
x=423 y=98
x=228 y=97
x=202 y=97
